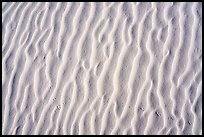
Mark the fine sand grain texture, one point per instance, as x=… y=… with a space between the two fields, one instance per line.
x=101 y=68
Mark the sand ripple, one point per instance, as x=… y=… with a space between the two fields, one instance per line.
x=101 y=68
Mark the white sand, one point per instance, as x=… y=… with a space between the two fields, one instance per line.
x=101 y=68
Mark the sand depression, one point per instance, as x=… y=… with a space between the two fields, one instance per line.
x=101 y=68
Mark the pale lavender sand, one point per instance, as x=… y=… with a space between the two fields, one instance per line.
x=102 y=68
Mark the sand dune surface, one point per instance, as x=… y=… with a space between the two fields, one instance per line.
x=99 y=68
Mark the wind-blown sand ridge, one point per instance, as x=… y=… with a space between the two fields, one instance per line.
x=101 y=68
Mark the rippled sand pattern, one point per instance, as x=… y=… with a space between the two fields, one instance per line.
x=101 y=68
